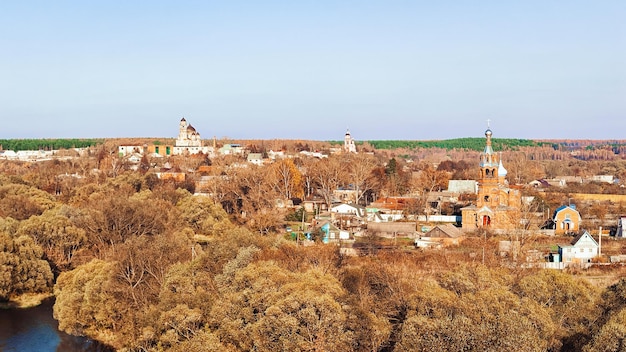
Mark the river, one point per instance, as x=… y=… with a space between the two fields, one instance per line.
x=34 y=329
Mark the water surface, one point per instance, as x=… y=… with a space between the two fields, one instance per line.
x=34 y=329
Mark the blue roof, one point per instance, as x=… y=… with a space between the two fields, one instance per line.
x=565 y=206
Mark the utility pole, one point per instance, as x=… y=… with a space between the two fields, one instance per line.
x=301 y=226
x=484 y=243
x=600 y=243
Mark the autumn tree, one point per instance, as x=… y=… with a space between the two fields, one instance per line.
x=469 y=309
x=571 y=304
x=22 y=269
x=202 y=214
x=20 y=201
x=59 y=237
x=268 y=308
x=360 y=174
x=328 y=174
x=86 y=303
x=287 y=179
x=396 y=178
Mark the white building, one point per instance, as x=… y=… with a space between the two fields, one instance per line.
x=581 y=250
x=187 y=135
x=348 y=143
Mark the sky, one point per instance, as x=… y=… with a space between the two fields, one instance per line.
x=310 y=69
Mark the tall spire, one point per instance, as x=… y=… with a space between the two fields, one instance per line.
x=488 y=148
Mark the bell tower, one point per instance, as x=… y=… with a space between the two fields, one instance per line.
x=496 y=202
x=489 y=161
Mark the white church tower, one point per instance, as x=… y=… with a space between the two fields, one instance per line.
x=187 y=135
x=348 y=143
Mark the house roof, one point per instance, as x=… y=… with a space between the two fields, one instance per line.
x=357 y=209
x=584 y=234
x=581 y=235
x=392 y=203
x=540 y=182
x=446 y=230
x=565 y=207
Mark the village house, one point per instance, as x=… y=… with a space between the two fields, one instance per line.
x=346 y=194
x=329 y=232
x=582 y=249
x=440 y=236
x=255 y=158
x=566 y=219
x=546 y=183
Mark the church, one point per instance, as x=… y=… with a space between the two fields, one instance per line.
x=189 y=141
x=187 y=135
x=348 y=143
x=498 y=204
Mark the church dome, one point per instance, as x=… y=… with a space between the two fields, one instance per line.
x=501 y=170
x=488 y=132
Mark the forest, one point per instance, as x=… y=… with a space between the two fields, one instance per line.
x=140 y=263
x=475 y=144
x=46 y=144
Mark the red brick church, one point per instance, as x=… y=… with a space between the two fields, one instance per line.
x=498 y=204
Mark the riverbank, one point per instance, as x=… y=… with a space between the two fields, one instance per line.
x=35 y=330
x=27 y=300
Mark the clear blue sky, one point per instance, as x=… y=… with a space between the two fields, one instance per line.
x=310 y=69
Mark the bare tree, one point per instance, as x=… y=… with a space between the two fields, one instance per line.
x=328 y=175
x=360 y=171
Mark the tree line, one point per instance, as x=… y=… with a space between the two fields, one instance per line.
x=46 y=144
x=476 y=144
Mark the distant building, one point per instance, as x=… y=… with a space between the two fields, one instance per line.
x=255 y=158
x=348 y=143
x=187 y=135
x=602 y=178
x=188 y=142
x=566 y=219
x=231 y=149
x=440 y=236
x=582 y=249
x=463 y=186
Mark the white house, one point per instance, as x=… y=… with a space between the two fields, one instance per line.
x=255 y=158
x=602 y=178
x=125 y=150
x=582 y=249
x=348 y=209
